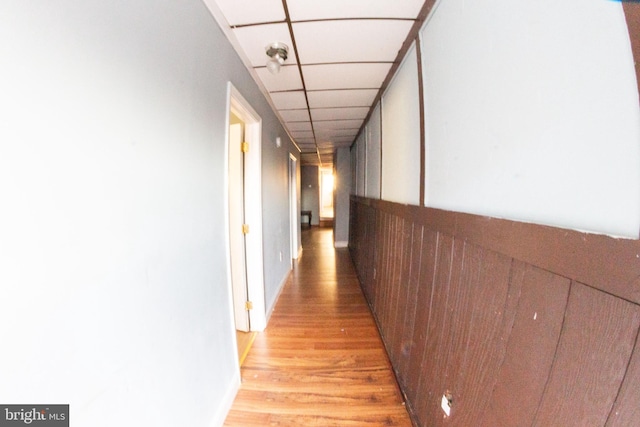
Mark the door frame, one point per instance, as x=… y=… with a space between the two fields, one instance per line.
x=294 y=208
x=253 y=205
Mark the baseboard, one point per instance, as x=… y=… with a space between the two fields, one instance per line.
x=227 y=402
x=275 y=301
x=341 y=244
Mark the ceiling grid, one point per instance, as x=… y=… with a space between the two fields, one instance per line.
x=341 y=55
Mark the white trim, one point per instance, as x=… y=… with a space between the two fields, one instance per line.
x=294 y=207
x=341 y=244
x=227 y=401
x=253 y=206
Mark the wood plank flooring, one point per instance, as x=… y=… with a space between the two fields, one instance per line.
x=321 y=361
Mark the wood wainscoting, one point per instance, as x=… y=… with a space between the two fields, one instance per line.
x=519 y=324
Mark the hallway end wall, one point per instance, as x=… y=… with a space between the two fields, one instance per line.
x=310 y=192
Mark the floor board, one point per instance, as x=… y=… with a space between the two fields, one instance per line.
x=321 y=361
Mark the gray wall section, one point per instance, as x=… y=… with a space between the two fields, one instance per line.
x=311 y=192
x=113 y=242
x=276 y=228
x=342 y=167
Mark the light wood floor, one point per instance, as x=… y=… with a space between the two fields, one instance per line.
x=321 y=361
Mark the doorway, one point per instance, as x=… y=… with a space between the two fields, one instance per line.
x=244 y=213
x=326 y=193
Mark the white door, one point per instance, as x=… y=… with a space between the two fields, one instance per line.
x=236 y=221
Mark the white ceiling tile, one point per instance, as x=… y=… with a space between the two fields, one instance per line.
x=342 y=98
x=289 y=100
x=299 y=126
x=350 y=41
x=331 y=133
x=239 y=12
x=337 y=124
x=302 y=134
x=254 y=39
x=306 y=141
x=339 y=140
x=324 y=147
x=307 y=146
x=346 y=113
x=342 y=144
x=344 y=76
x=295 y=115
x=327 y=9
x=287 y=79
x=309 y=159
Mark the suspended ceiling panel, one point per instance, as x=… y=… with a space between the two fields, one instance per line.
x=306 y=10
x=342 y=98
x=287 y=79
x=346 y=51
x=337 y=124
x=295 y=115
x=345 y=76
x=300 y=126
x=350 y=41
x=344 y=113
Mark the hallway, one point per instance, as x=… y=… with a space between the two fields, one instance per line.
x=321 y=361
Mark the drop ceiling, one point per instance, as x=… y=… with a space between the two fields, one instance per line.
x=341 y=54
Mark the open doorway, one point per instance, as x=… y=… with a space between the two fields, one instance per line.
x=327 y=187
x=244 y=215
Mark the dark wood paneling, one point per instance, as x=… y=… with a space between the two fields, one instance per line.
x=482 y=308
x=434 y=354
x=476 y=358
x=541 y=301
x=609 y=264
x=403 y=302
x=424 y=299
x=626 y=410
x=595 y=346
x=412 y=306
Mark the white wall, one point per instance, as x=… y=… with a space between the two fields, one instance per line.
x=532 y=113
x=354 y=168
x=115 y=296
x=361 y=147
x=401 y=135
x=374 y=139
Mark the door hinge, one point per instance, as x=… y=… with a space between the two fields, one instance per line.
x=248 y=305
x=244 y=147
x=245 y=228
